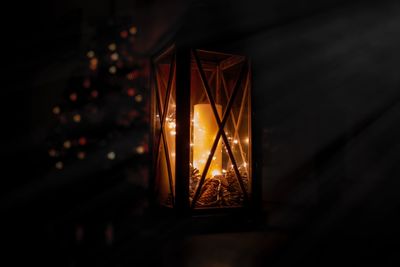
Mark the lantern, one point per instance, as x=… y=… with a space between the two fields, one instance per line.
x=201 y=130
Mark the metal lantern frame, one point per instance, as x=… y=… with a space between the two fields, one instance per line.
x=180 y=61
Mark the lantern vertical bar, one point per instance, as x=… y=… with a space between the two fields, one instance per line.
x=153 y=114
x=218 y=85
x=183 y=74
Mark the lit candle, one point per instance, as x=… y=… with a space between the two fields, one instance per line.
x=205 y=129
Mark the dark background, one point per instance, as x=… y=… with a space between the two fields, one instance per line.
x=326 y=82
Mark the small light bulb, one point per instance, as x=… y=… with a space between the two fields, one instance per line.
x=82 y=141
x=140 y=149
x=73 y=97
x=94 y=94
x=77 y=118
x=112 y=47
x=130 y=92
x=53 y=153
x=173 y=132
x=171 y=125
x=133 y=30
x=124 y=34
x=86 y=83
x=235 y=141
x=93 y=63
x=81 y=155
x=111 y=155
x=90 y=54
x=215 y=172
x=114 y=56
x=59 y=165
x=56 y=110
x=138 y=98
x=112 y=69
x=67 y=144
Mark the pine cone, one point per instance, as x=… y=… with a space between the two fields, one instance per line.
x=231 y=194
x=209 y=195
x=194 y=180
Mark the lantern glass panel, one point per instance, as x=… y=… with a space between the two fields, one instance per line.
x=165 y=126
x=220 y=131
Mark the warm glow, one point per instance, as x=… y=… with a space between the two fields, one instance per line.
x=205 y=129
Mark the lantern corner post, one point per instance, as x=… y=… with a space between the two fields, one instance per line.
x=256 y=151
x=152 y=154
x=183 y=110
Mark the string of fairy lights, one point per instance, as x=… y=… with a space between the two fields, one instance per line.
x=106 y=99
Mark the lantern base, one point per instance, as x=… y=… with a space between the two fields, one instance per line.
x=207 y=221
x=239 y=220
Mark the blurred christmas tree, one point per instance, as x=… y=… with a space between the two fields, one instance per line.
x=104 y=111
